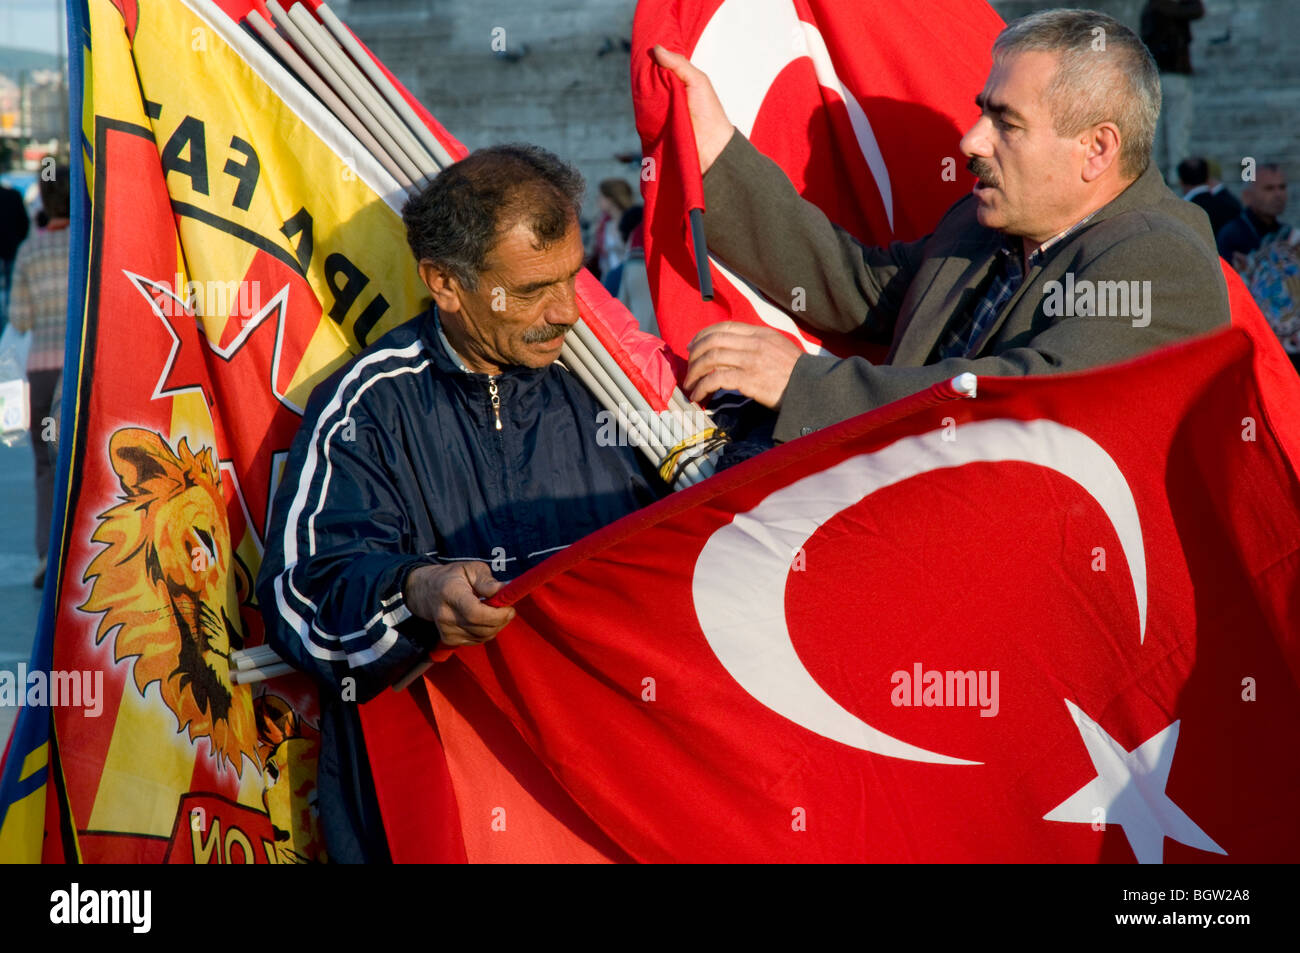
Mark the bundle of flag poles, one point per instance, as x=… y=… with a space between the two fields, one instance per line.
x=320 y=52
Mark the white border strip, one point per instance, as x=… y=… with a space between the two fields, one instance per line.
x=301 y=101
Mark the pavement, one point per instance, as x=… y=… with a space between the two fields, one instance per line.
x=19 y=603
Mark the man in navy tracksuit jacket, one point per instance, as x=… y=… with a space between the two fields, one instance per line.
x=453 y=444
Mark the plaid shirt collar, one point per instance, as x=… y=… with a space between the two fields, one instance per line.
x=1013 y=246
x=1007 y=276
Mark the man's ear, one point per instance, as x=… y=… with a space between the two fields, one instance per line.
x=1101 y=146
x=442 y=285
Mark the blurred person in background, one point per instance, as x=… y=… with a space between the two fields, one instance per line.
x=39 y=304
x=14 y=226
x=1260 y=220
x=1167 y=33
x=1266 y=251
x=1272 y=273
x=628 y=281
x=1202 y=187
x=606 y=251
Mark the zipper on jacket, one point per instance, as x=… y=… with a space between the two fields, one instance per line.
x=495 y=396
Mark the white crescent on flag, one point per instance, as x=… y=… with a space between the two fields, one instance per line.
x=740 y=576
x=743 y=73
x=774 y=37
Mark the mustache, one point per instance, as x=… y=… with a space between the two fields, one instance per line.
x=983 y=171
x=548 y=333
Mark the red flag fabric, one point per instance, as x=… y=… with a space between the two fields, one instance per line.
x=862 y=105
x=686 y=159
x=605 y=723
x=200 y=319
x=1052 y=623
x=1273 y=369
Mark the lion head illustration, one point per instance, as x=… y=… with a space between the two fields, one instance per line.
x=170 y=585
x=290 y=748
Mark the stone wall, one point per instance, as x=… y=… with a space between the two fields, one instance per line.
x=562 y=81
x=1246 y=87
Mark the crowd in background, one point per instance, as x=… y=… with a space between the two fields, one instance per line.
x=34 y=250
x=1255 y=241
x=1249 y=232
x=616 y=253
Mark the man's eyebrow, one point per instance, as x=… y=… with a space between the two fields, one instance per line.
x=539 y=285
x=999 y=109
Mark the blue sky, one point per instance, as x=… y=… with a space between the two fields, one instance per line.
x=29 y=24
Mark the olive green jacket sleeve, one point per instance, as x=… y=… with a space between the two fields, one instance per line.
x=1148 y=258
x=759 y=224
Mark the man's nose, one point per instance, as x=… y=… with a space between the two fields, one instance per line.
x=976 y=142
x=564 y=309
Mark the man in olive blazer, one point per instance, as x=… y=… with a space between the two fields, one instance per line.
x=1070 y=252
x=908 y=294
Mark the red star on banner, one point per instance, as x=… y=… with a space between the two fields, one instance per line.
x=244 y=378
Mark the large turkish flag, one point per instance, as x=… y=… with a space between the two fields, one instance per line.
x=863 y=106
x=1056 y=622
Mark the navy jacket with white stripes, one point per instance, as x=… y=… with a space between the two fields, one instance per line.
x=400 y=461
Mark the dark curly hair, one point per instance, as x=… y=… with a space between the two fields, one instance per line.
x=456 y=219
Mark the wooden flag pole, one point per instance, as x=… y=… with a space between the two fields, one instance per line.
x=334 y=54
x=673 y=424
x=384 y=85
x=701 y=254
x=307 y=76
x=410 y=174
x=606 y=393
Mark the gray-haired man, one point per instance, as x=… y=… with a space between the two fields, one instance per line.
x=1070 y=252
x=451 y=455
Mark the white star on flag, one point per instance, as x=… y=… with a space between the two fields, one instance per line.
x=1130 y=789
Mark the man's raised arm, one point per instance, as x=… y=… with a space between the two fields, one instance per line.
x=759 y=225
